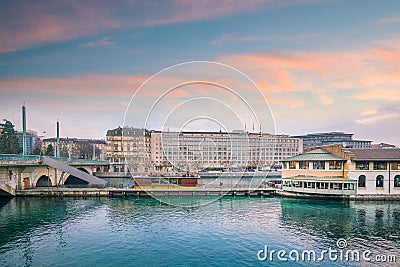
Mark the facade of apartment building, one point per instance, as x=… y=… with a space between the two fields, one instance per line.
x=220 y=150
x=128 y=149
x=332 y=138
x=32 y=140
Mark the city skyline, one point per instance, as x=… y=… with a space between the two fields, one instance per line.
x=321 y=65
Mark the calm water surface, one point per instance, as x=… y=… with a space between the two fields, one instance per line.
x=227 y=232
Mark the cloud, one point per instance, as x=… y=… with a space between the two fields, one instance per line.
x=369 y=112
x=90 y=85
x=378 y=118
x=26 y=24
x=326 y=100
x=105 y=41
x=364 y=70
x=378 y=94
x=389 y=20
x=288 y=102
x=232 y=38
x=389 y=54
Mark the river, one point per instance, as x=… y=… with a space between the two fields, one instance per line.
x=231 y=231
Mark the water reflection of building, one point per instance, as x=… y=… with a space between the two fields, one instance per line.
x=368 y=221
x=318 y=217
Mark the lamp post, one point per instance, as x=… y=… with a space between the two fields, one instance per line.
x=48 y=177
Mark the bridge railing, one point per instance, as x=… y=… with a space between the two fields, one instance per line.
x=15 y=157
x=19 y=157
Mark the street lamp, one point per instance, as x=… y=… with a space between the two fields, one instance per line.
x=48 y=177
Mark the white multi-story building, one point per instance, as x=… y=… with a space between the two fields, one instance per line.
x=220 y=150
x=376 y=170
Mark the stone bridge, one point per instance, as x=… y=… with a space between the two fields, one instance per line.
x=23 y=172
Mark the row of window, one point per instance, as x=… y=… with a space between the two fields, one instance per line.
x=320 y=185
x=317 y=165
x=377 y=165
x=378 y=181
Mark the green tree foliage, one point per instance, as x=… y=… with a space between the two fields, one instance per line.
x=50 y=150
x=64 y=151
x=9 y=140
x=37 y=151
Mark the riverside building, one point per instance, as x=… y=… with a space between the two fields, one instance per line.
x=221 y=150
x=376 y=170
x=332 y=138
x=32 y=140
x=128 y=149
x=77 y=147
x=335 y=170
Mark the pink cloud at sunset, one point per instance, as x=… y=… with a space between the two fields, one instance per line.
x=121 y=86
x=46 y=22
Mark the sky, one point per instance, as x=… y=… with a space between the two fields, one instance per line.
x=279 y=66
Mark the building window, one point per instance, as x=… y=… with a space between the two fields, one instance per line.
x=335 y=165
x=397 y=181
x=362 y=165
x=395 y=166
x=303 y=165
x=361 y=181
x=380 y=165
x=379 y=181
x=292 y=165
x=319 y=165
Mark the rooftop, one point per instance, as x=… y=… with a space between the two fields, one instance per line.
x=75 y=140
x=375 y=154
x=127 y=131
x=315 y=155
x=325 y=134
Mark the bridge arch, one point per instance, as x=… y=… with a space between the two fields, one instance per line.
x=44 y=181
x=83 y=169
x=72 y=180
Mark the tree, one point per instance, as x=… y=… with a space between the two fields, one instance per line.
x=37 y=151
x=64 y=153
x=85 y=150
x=9 y=140
x=49 y=150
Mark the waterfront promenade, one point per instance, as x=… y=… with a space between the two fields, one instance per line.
x=152 y=191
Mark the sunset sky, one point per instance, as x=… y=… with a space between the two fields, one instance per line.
x=321 y=65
